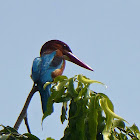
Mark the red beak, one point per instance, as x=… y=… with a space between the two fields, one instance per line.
x=74 y=59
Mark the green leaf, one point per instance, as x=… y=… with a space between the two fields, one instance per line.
x=63 y=112
x=107 y=110
x=110 y=104
x=80 y=119
x=134 y=128
x=79 y=86
x=5 y=137
x=110 y=115
x=60 y=78
x=85 y=80
x=122 y=136
x=93 y=118
x=118 y=123
x=61 y=95
x=106 y=135
x=31 y=137
x=61 y=85
x=8 y=130
x=50 y=138
x=71 y=89
x=83 y=93
x=138 y=135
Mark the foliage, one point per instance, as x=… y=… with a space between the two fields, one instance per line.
x=90 y=115
x=9 y=133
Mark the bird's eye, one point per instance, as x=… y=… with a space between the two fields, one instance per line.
x=66 y=48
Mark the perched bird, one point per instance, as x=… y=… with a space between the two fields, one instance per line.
x=51 y=64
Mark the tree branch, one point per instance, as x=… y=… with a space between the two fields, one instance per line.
x=24 y=110
x=27 y=124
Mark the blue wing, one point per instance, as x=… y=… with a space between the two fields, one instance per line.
x=36 y=69
x=42 y=72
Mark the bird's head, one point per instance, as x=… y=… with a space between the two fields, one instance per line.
x=54 y=45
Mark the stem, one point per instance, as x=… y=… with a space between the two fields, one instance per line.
x=24 y=110
x=27 y=124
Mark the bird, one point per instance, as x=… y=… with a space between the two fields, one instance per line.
x=51 y=64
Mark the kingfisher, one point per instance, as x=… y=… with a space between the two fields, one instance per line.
x=51 y=64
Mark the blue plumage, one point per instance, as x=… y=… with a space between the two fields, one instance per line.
x=51 y=64
x=42 y=72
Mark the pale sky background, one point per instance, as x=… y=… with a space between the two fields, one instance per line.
x=103 y=33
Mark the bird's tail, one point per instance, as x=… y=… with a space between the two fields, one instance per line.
x=44 y=94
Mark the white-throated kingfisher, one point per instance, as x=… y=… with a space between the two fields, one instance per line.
x=51 y=64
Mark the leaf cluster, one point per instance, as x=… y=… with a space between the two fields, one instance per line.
x=9 y=133
x=90 y=115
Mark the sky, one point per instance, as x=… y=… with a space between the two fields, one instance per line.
x=105 y=34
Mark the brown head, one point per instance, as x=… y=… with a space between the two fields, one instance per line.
x=62 y=50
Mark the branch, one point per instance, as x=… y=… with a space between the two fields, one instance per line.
x=27 y=124
x=24 y=110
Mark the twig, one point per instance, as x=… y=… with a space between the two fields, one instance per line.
x=27 y=124
x=24 y=110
